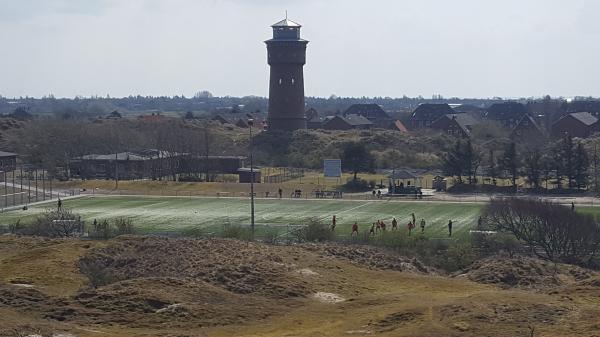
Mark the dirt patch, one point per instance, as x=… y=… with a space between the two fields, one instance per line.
x=328 y=297
x=307 y=272
x=524 y=272
x=371 y=257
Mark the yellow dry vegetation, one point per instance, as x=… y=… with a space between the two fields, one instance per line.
x=376 y=301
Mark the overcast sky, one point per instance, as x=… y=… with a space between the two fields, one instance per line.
x=465 y=48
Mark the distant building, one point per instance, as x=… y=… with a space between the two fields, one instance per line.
x=347 y=123
x=313 y=120
x=245 y=175
x=233 y=120
x=508 y=114
x=528 y=128
x=577 y=124
x=8 y=163
x=150 y=164
x=372 y=112
x=425 y=114
x=459 y=125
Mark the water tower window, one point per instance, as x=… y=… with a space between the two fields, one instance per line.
x=280 y=81
x=293 y=80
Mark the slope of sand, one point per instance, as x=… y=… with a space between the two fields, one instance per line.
x=167 y=287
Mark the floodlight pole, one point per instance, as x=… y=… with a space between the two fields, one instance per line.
x=250 y=122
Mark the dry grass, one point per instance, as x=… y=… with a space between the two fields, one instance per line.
x=178 y=288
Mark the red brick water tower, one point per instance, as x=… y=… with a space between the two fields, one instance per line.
x=286 y=56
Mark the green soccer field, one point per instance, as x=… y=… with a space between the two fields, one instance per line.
x=172 y=214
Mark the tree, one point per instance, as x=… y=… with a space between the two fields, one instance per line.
x=510 y=162
x=203 y=94
x=581 y=164
x=492 y=167
x=357 y=158
x=471 y=160
x=552 y=231
x=452 y=163
x=567 y=158
x=21 y=113
x=532 y=168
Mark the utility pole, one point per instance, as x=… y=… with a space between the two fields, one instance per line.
x=250 y=123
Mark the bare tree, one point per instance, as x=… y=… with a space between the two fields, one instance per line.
x=553 y=231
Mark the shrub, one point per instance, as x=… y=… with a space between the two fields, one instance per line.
x=271 y=236
x=494 y=243
x=101 y=230
x=236 y=232
x=195 y=232
x=358 y=185
x=124 y=226
x=458 y=256
x=314 y=231
x=52 y=223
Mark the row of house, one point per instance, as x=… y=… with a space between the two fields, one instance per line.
x=357 y=116
x=510 y=115
x=530 y=120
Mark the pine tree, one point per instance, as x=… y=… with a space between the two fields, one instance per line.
x=471 y=160
x=452 y=162
x=581 y=164
x=492 y=167
x=510 y=162
x=532 y=168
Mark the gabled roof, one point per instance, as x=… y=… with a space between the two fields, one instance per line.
x=467 y=108
x=7 y=154
x=428 y=111
x=311 y=113
x=584 y=117
x=286 y=23
x=402 y=175
x=370 y=111
x=356 y=120
x=527 y=127
x=463 y=120
x=506 y=111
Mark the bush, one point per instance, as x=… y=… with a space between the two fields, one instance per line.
x=55 y=224
x=124 y=226
x=105 y=230
x=458 y=256
x=358 y=185
x=195 y=232
x=236 y=232
x=495 y=243
x=271 y=236
x=314 y=231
